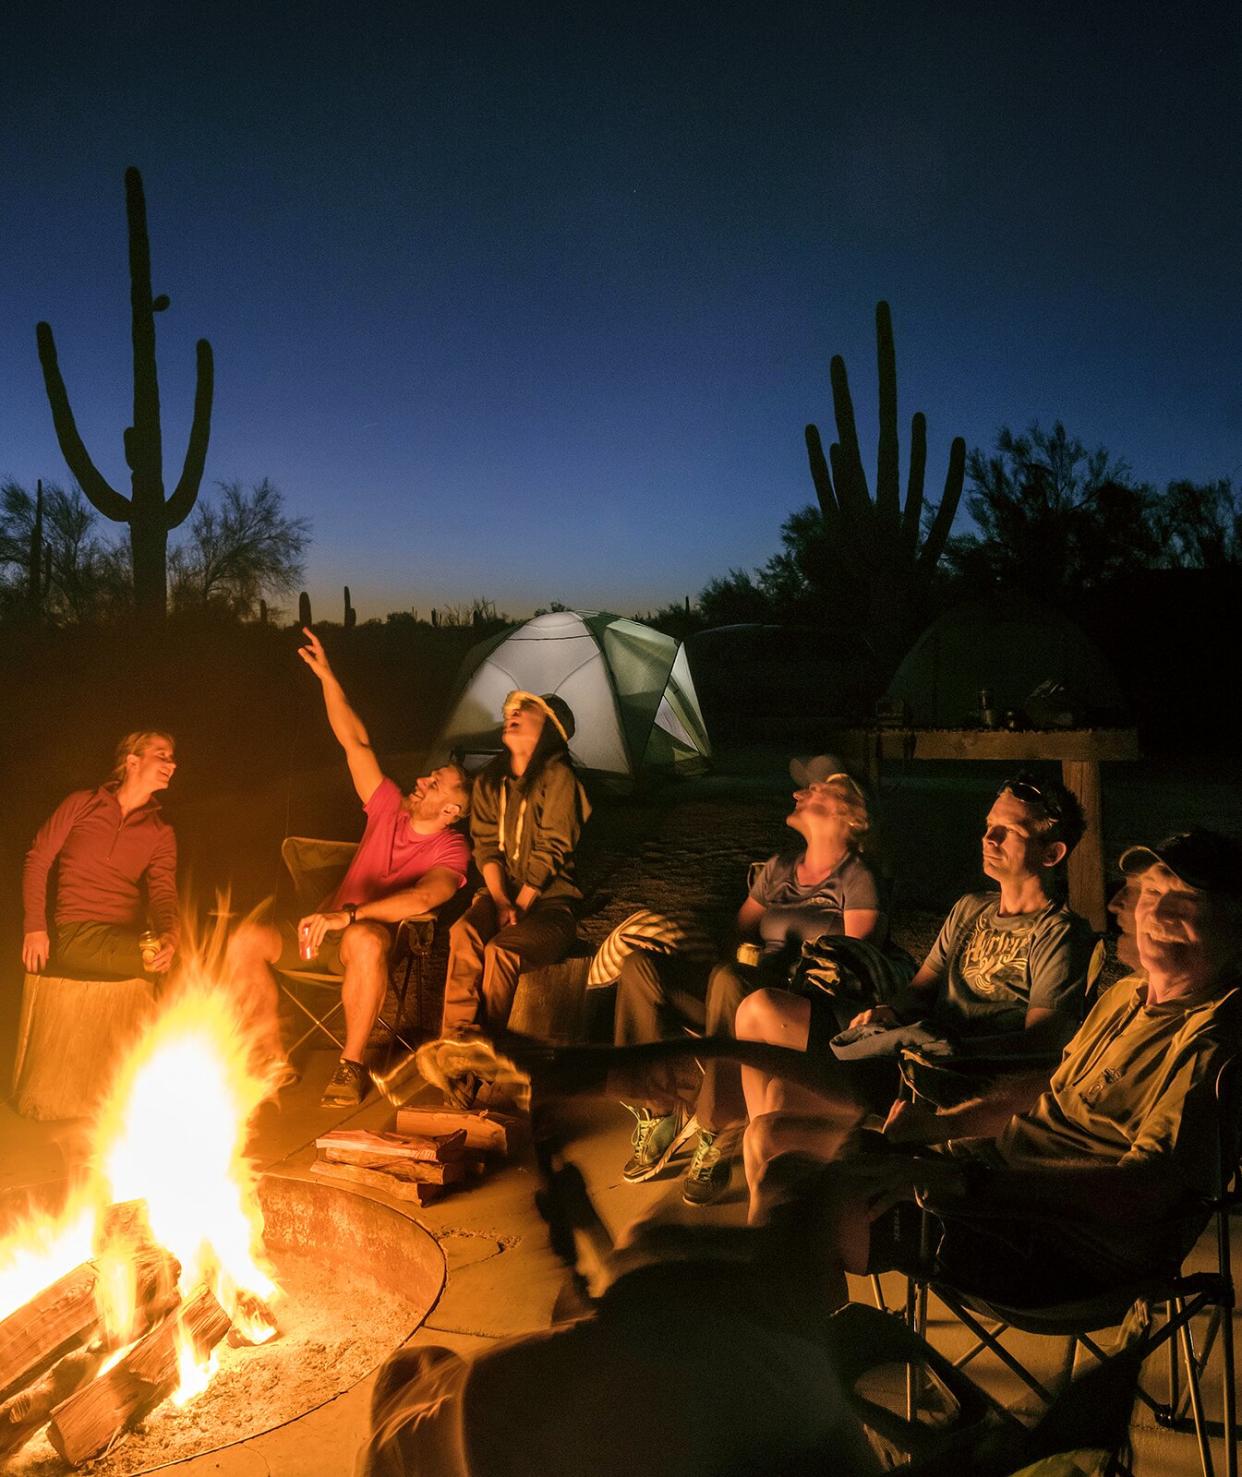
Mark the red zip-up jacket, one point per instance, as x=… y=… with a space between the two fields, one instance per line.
x=107 y=862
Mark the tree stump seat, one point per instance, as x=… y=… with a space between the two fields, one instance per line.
x=550 y=1003
x=70 y=1037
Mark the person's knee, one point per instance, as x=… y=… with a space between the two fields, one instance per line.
x=464 y=934
x=639 y=978
x=757 y=1016
x=252 y=943
x=365 y=946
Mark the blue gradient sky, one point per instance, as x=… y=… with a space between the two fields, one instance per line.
x=532 y=302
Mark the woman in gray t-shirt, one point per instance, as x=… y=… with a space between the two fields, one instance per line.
x=825 y=886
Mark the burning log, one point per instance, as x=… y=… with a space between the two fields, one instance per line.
x=418 y=1191
x=26 y=1412
x=54 y=1322
x=481 y=1129
x=92 y=1420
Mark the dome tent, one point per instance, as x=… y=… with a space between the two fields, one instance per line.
x=1009 y=645
x=629 y=686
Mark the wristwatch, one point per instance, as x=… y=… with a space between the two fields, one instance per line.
x=352 y=910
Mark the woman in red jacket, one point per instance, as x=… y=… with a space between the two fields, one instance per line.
x=117 y=870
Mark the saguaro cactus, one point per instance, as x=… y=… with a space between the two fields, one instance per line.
x=304 y=610
x=148 y=513
x=351 y=615
x=880 y=539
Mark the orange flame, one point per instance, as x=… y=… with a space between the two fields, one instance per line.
x=171 y=1134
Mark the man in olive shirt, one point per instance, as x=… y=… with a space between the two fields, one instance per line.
x=1096 y=1184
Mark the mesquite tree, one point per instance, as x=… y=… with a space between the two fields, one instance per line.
x=149 y=514
x=881 y=539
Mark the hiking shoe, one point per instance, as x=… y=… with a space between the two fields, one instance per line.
x=348 y=1086
x=656 y=1138
x=708 y=1176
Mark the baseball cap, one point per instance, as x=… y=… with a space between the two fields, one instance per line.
x=817 y=769
x=1199 y=857
x=556 y=709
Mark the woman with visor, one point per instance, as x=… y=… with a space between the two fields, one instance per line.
x=527 y=811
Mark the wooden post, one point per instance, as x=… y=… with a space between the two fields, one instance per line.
x=1086 y=861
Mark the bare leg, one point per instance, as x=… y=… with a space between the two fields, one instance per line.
x=252 y=949
x=774 y=1145
x=781 y=1019
x=364 y=955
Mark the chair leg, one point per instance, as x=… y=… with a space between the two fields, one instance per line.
x=1196 y=1394
x=318 y=1023
x=1230 y=1391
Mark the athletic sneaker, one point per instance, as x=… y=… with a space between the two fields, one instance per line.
x=708 y=1176
x=656 y=1138
x=348 y=1086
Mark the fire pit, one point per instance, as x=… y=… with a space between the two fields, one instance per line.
x=175 y=1304
x=358 y=1276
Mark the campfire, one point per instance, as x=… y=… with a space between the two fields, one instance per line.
x=119 y=1302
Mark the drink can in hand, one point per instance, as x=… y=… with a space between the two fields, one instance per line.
x=306 y=950
x=149 y=948
x=748 y=954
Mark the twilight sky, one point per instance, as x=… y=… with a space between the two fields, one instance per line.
x=531 y=301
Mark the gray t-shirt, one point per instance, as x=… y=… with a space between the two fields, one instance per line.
x=794 y=914
x=993 y=968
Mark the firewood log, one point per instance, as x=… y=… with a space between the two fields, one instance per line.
x=55 y=1321
x=418 y=1191
x=483 y=1131
x=413 y=1170
x=29 y=1410
x=432 y=1150
x=92 y=1420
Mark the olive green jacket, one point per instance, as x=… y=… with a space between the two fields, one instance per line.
x=533 y=835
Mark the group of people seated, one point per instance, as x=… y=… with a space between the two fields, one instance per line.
x=116 y=860
x=1108 y=1142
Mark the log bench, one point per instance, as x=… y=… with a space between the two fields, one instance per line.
x=551 y=1001
x=69 y=1039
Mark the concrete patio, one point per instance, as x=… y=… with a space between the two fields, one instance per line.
x=502 y=1277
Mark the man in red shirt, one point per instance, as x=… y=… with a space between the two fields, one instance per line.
x=411 y=859
x=117 y=860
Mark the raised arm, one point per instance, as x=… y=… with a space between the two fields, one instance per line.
x=350 y=732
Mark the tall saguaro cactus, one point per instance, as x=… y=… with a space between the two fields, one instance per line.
x=149 y=514
x=880 y=539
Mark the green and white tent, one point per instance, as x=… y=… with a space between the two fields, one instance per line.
x=629 y=686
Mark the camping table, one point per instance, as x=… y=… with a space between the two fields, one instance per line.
x=1080 y=751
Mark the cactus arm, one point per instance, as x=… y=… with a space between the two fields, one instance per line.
x=822 y=479
x=947 y=511
x=887 y=476
x=913 y=515
x=177 y=509
x=105 y=498
x=847 y=469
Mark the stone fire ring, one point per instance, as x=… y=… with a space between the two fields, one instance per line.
x=361 y=1237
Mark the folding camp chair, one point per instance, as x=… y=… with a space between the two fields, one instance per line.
x=315 y=869
x=1182 y=1297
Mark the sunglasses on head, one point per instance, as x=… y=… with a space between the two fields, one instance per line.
x=1030 y=794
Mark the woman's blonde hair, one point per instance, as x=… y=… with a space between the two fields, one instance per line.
x=139 y=742
x=849 y=793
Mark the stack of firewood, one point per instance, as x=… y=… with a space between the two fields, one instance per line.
x=430 y=1151
x=53 y=1348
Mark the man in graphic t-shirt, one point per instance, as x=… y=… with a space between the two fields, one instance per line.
x=412 y=858
x=1009 y=968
